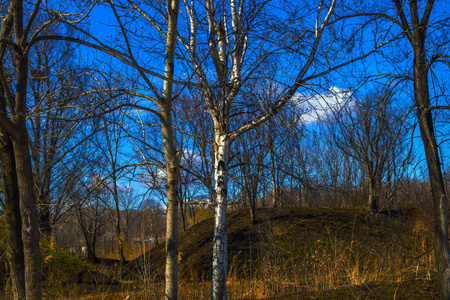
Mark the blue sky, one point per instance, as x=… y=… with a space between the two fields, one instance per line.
x=102 y=19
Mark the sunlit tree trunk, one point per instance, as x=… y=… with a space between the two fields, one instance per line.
x=220 y=258
x=172 y=157
x=172 y=165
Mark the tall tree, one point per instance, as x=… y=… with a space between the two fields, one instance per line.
x=414 y=20
x=15 y=250
x=12 y=213
x=56 y=84
x=227 y=52
x=129 y=47
x=21 y=31
x=109 y=143
x=16 y=39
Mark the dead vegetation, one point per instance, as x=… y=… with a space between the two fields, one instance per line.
x=289 y=253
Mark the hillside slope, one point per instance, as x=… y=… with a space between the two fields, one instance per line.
x=314 y=249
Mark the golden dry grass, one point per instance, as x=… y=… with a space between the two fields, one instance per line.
x=289 y=254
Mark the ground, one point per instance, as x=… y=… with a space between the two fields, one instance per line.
x=289 y=253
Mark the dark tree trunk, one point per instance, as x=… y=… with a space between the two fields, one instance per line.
x=91 y=251
x=119 y=233
x=417 y=37
x=373 y=197
x=182 y=211
x=16 y=127
x=30 y=223
x=253 y=209
x=441 y=243
x=13 y=217
x=44 y=216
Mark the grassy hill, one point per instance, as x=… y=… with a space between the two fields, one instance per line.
x=301 y=252
x=289 y=253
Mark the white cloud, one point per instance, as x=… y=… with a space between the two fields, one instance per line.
x=317 y=107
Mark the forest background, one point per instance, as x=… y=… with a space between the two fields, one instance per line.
x=122 y=122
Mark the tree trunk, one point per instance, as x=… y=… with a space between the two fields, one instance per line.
x=172 y=157
x=90 y=247
x=119 y=233
x=253 y=209
x=373 y=197
x=441 y=243
x=93 y=243
x=44 y=215
x=172 y=165
x=182 y=209
x=220 y=259
x=275 y=200
x=13 y=221
x=30 y=223
x=91 y=254
x=24 y=171
x=417 y=37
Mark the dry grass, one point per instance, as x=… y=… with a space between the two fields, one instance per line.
x=291 y=254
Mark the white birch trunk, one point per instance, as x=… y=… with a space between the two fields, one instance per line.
x=172 y=158
x=220 y=258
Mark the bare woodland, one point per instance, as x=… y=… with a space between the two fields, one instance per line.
x=121 y=122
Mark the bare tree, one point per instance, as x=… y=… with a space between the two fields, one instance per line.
x=92 y=219
x=422 y=26
x=280 y=137
x=11 y=207
x=16 y=28
x=55 y=122
x=109 y=143
x=372 y=132
x=20 y=32
x=250 y=159
x=414 y=20
x=226 y=54
x=130 y=15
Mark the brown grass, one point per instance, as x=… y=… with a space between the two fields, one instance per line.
x=307 y=251
x=290 y=254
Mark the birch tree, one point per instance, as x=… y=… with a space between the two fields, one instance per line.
x=230 y=50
